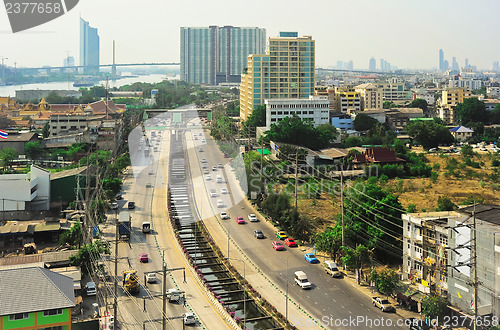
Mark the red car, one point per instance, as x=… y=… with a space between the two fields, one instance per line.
x=143 y=257
x=278 y=246
x=240 y=220
x=290 y=242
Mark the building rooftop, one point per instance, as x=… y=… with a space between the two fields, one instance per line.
x=26 y=290
x=484 y=212
x=461 y=129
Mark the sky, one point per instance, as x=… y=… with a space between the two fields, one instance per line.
x=406 y=33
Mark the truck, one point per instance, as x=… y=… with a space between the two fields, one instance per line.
x=131 y=281
x=124 y=225
x=383 y=304
x=301 y=280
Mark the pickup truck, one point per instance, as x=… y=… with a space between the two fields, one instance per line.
x=383 y=304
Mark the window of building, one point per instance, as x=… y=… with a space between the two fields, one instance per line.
x=52 y=312
x=19 y=316
x=443 y=240
x=63 y=127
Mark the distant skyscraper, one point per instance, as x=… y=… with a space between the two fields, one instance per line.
x=446 y=65
x=496 y=66
x=340 y=64
x=454 y=64
x=211 y=55
x=373 y=65
x=466 y=62
x=285 y=71
x=441 y=60
x=89 y=48
x=350 y=65
x=69 y=61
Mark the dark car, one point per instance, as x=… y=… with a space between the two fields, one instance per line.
x=258 y=234
x=118 y=196
x=416 y=324
x=131 y=205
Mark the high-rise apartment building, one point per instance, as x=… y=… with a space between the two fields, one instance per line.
x=373 y=65
x=347 y=100
x=371 y=96
x=211 y=55
x=449 y=100
x=89 y=48
x=286 y=71
x=441 y=60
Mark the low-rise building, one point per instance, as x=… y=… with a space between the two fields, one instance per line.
x=29 y=191
x=461 y=133
x=493 y=92
x=449 y=100
x=343 y=122
x=315 y=109
x=35 y=298
x=17 y=140
x=424 y=95
x=397 y=118
x=371 y=96
x=347 y=99
x=395 y=92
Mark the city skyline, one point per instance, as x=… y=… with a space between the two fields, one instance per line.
x=151 y=33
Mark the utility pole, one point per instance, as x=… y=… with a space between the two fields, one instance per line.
x=115 y=306
x=296 y=176
x=474 y=263
x=164 y=293
x=342 y=201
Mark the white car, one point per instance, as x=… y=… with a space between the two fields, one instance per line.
x=224 y=191
x=220 y=203
x=205 y=171
x=252 y=218
x=213 y=193
x=219 y=165
x=224 y=216
x=208 y=177
x=203 y=141
x=151 y=277
x=189 y=318
x=203 y=160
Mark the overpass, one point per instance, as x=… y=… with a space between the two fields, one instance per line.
x=396 y=72
x=100 y=66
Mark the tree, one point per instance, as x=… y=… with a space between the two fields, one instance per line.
x=7 y=155
x=46 y=130
x=327 y=133
x=364 y=122
x=257 y=118
x=418 y=103
x=429 y=134
x=445 y=204
x=72 y=236
x=33 y=149
x=88 y=255
x=435 y=306
x=471 y=110
x=389 y=104
x=329 y=240
x=387 y=281
x=6 y=122
x=495 y=115
x=467 y=151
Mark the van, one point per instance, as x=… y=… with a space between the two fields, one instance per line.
x=332 y=269
x=90 y=289
x=146 y=227
x=219 y=179
x=301 y=280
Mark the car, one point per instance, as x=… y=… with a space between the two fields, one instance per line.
x=151 y=277
x=203 y=141
x=226 y=155
x=149 y=185
x=119 y=196
x=483 y=149
x=200 y=150
x=224 y=191
x=290 y=242
x=278 y=246
x=203 y=160
x=151 y=172
x=219 y=165
x=205 y=171
x=213 y=193
x=281 y=235
x=416 y=324
x=203 y=165
x=258 y=234
x=214 y=168
x=131 y=205
x=224 y=216
x=90 y=289
x=196 y=138
x=188 y=318
x=240 y=220
x=311 y=258
x=208 y=177
x=220 y=203
x=114 y=206
x=252 y=218
x=143 y=257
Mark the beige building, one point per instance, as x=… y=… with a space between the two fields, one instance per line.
x=394 y=92
x=347 y=100
x=286 y=71
x=449 y=100
x=371 y=96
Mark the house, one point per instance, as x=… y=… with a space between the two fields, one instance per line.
x=35 y=298
x=377 y=155
x=461 y=133
x=18 y=140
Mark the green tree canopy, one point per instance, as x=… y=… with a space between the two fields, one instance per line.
x=7 y=155
x=33 y=149
x=257 y=118
x=445 y=204
x=471 y=110
x=429 y=134
x=387 y=281
x=418 y=103
x=434 y=306
x=363 y=122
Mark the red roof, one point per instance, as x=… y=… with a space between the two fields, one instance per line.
x=378 y=155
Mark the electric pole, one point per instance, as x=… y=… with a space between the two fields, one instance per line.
x=474 y=263
x=342 y=201
x=115 y=306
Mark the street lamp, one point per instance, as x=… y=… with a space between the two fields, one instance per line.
x=244 y=293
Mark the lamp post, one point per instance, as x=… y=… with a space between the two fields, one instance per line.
x=244 y=293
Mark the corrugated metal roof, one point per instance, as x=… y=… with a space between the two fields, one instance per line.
x=26 y=290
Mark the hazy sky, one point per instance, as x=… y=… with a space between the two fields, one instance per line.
x=406 y=33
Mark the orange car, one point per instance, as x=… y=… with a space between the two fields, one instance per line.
x=290 y=242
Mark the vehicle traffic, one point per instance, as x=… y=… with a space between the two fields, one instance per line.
x=252 y=218
x=124 y=225
x=278 y=246
x=290 y=242
x=281 y=235
x=383 y=304
x=311 y=258
x=301 y=280
x=332 y=269
x=143 y=257
x=258 y=234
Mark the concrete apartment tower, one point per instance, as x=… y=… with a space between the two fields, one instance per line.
x=213 y=55
x=285 y=71
x=89 y=48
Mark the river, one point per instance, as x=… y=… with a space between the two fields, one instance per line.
x=65 y=85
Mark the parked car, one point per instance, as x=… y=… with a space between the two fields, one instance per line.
x=278 y=246
x=258 y=234
x=290 y=242
x=416 y=324
x=118 y=196
x=151 y=277
x=281 y=235
x=240 y=220
x=143 y=257
x=131 y=205
x=252 y=218
x=311 y=258
x=114 y=206
x=90 y=289
x=383 y=304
